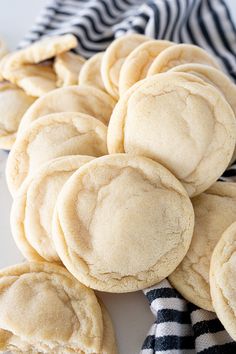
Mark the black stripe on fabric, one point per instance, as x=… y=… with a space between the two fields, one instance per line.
x=210 y=326
x=144 y=16
x=162 y=293
x=149 y=342
x=230 y=173
x=188 y=25
x=156 y=15
x=177 y=12
x=209 y=40
x=138 y=29
x=228 y=14
x=170 y=315
x=192 y=307
x=117 y=6
x=228 y=348
x=106 y=7
x=60 y=12
x=168 y=14
x=219 y=28
x=168 y=343
x=96 y=10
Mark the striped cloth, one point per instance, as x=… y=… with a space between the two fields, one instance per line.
x=180 y=327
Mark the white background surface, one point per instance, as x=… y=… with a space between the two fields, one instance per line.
x=130 y=312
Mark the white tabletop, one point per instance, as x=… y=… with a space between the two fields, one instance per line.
x=130 y=312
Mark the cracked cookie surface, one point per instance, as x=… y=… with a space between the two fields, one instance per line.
x=33 y=207
x=60 y=314
x=122 y=223
x=223 y=279
x=52 y=136
x=179 y=120
x=215 y=210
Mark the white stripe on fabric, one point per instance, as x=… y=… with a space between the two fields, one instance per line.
x=208 y=340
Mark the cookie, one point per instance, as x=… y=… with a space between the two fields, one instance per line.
x=114 y=58
x=97 y=219
x=33 y=207
x=55 y=135
x=36 y=80
x=3 y=51
x=180 y=121
x=13 y=104
x=222 y=279
x=215 y=210
x=137 y=63
x=44 y=309
x=84 y=99
x=67 y=67
x=109 y=339
x=181 y=54
x=90 y=74
x=216 y=78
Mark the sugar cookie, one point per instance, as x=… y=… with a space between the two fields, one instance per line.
x=90 y=74
x=19 y=67
x=52 y=136
x=137 y=63
x=13 y=104
x=223 y=278
x=44 y=309
x=179 y=120
x=84 y=99
x=215 y=210
x=67 y=67
x=97 y=219
x=216 y=78
x=33 y=207
x=113 y=60
x=181 y=54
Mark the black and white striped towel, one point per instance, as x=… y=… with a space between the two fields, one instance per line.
x=180 y=327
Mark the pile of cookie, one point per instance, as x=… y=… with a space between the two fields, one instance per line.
x=114 y=182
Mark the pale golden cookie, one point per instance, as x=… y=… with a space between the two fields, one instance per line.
x=137 y=63
x=215 y=210
x=90 y=74
x=179 y=120
x=84 y=99
x=3 y=48
x=181 y=54
x=44 y=309
x=67 y=67
x=36 y=80
x=216 y=78
x=113 y=60
x=223 y=280
x=52 y=136
x=13 y=104
x=109 y=339
x=97 y=219
x=33 y=207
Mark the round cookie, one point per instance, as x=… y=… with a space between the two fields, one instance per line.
x=33 y=207
x=137 y=63
x=215 y=210
x=55 y=135
x=216 y=78
x=223 y=278
x=114 y=58
x=182 y=109
x=84 y=99
x=36 y=80
x=97 y=219
x=90 y=74
x=13 y=104
x=67 y=67
x=44 y=309
x=181 y=54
